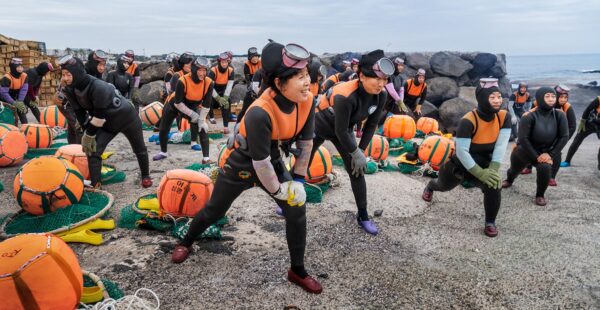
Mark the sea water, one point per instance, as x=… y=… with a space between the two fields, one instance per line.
x=554 y=69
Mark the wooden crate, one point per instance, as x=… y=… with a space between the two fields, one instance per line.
x=28 y=53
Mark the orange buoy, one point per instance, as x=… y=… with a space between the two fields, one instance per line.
x=184 y=124
x=52 y=117
x=378 y=148
x=13 y=145
x=46 y=184
x=39 y=271
x=74 y=154
x=428 y=125
x=39 y=136
x=320 y=166
x=184 y=192
x=151 y=113
x=436 y=150
x=399 y=126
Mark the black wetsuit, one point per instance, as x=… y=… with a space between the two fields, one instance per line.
x=258 y=77
x=591 y=117
x=487 y=132
x=216 y=73
x=122 y=80
x=11 y=93
x=170 y=112
x=351 y=106
x=34 y=79
x=337 y=78
x=239 y=175
x=544 y=130
x=92 y=97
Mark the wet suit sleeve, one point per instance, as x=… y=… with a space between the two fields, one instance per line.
x=259 y=146
x=101 y=95
x=110 y=78
x=525 y=129
x=343 y=107
x=179 y=92
x=247 y=74
x=372 y=121
x=174 y=80
x=207 y=100
x=572 y=121
x=131 y=86
x=502 y=140
x=563 y=134
x=464 y=135
x=4 y=91
x=591 y=107
x=512 y=97
x=423 y=96
x=168 y=77
x=229 y=86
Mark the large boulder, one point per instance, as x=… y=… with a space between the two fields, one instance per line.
x=153 y=72
x=499 y=68
x=468 y=56
x=440 y=89
x=482 y=63
x=238 y=92
x=467 y=93
x=449 y=64
x=451 y=111
x=149 y=93
x=335 y=60
x=505 y=87
x=429 y=110
x=418 y=60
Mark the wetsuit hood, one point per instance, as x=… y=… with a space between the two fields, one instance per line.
x=539 y=97
x=483 y=100
x=43 y=68
x=13 y=70
x=80 y=78
x=367 y=62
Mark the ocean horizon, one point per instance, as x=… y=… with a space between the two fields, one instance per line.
x=564 y=68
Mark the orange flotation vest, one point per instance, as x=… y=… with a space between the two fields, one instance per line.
x=221 y=78
x=485 y=132
x=195 y=91
x=16 y=83
x=414 y=90
x=131 y=69
x=344 y=89
x=521 y=99
x=253 y=67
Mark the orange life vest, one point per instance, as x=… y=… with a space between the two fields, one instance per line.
x=344 y=89
x=195 y=91
x=131 y=69
x=334 y=78
x=521 y=99
x=485 y=132
x=598 y=108
x=414 y=90
x=314 y=89
x=221 y=78
x=284 y=126
x=253 y=67
x=16 y=83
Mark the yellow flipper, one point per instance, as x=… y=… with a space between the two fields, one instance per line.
x=84 y=236
x=106 y=155
x=150 y=204
x=93 y=225
x=106 y=169
x=91 y=295
x=402 y=159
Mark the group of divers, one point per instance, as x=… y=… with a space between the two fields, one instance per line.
x=292 y=106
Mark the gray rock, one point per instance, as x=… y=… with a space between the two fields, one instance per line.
x=238 y=93
x=482 y=63
x=440 y=89
x=429 y=110
x=505 y=87
x=408 y=73
x=468 y=56
x=149 y=93
x=499 y=69
x=452 y=111
x=153 y=72
x=467 y=93
x=449 y=64
x=418 y=60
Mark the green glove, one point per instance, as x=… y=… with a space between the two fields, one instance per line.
x=20 y=106
x=224 y=103
x=401 y=106
x=487 y=176
x=33 y=104
x=581 y=127
x=494 y=166
x=88 y=143
x=226 y=98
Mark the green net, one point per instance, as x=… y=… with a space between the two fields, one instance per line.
x=408 y=168
x=1 y=187
x=90 y=204
x=400 y=146
x=420 y=134
x=337 y=160
x=7 y=115
x=388 y=166
x=35 y=153
x=372 y=167
x=112 y=288
x=110 y=175
x=314 y=192
x=132 y=219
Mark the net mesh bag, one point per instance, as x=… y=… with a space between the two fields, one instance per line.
x=93 y=204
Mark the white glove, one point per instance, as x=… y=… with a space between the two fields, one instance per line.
x=194 y=118
x=293 y=192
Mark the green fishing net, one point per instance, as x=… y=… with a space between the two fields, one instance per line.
x=113 y=290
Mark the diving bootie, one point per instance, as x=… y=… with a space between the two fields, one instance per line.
x=84 y=236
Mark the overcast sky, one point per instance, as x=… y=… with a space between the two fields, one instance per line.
x=515 y=27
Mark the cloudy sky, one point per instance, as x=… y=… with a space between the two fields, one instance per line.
x=515 y=27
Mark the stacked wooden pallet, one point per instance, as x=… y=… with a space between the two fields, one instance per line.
x=32 y=53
